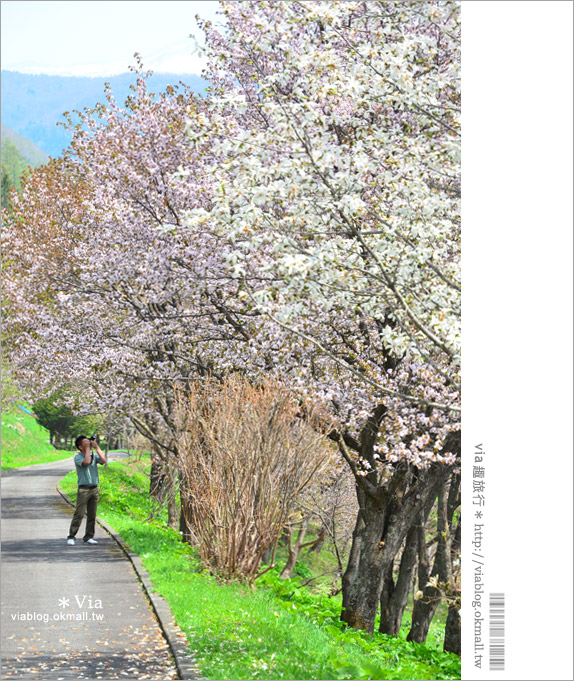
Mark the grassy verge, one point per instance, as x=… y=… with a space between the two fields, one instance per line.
x=26 y=442
x=277 y=630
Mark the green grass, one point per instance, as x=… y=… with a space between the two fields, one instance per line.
x=26 y=442
x=275 y=630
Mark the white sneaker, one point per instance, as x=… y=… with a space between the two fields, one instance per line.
x=91 y=541
x=71 y=542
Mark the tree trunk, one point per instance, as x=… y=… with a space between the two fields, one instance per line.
x=186 y=510
x=361 y=600
x=380 y=543
x=394 y=600
x=350 y=574
x=452 y=635
x=425 y=607
x=156 y=476
x=387 y=518
x=267 y=555
x=386 y=598
x=317 y=545
x=294 y=550
x=392 y=610
x=452 y=640
x=387 y=508
x=170 y=479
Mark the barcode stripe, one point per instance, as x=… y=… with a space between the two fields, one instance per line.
x=497 y=647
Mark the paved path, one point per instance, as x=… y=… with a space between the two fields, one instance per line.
x=69 y=611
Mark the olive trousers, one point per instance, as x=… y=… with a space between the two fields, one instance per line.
x=87 y=501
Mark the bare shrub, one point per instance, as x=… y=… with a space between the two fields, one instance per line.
x=246 y=455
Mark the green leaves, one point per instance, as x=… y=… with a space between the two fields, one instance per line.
x=356 y=655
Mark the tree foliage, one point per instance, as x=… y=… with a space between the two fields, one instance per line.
x=58 y=418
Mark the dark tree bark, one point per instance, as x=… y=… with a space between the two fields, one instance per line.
x=452 y=631
x=387 y=518
x=394 y=597
x=387 y=507
x=452 y=638
x=350 y=574
x=387 y=594
x=425 y=607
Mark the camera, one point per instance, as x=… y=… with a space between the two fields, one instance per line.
x=92 y=439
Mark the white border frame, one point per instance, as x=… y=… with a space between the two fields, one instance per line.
x=517 y=326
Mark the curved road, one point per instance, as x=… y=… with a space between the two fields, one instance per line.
x=69 y=612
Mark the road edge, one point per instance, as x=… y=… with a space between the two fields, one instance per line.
x=186 y=667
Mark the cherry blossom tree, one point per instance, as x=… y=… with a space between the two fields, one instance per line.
x=103 y=291
x=335 y=133
x=117 y=274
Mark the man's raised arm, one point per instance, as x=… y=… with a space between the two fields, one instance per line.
x=103 y=459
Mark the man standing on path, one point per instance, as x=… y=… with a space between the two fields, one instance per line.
x=88 y=493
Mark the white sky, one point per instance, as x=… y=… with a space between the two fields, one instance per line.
x=99 y=38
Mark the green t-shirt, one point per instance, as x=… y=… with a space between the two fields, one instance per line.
x=87 y=475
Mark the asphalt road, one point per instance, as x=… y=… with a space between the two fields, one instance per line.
x=69 y=611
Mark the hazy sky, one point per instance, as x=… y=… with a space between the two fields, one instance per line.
x=99 y=38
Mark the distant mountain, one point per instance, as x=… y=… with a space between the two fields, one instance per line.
x=29 y=151
x=33 y=104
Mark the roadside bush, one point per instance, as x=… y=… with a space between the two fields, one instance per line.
x=246 y=455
